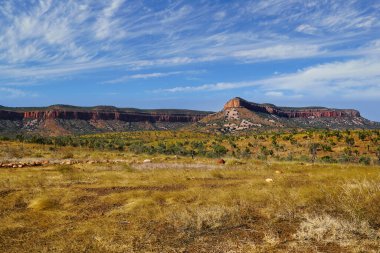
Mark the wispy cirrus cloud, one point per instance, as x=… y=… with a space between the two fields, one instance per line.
x=326 y=17
x=106 y=23
x=11 y=93
x=52 y=35
x=154 y=75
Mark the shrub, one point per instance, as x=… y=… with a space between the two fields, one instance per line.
x=362 y=135
x=4 y=138
x=326 y=148
x=328 y=159
x=345 y=158
x=365 y=160
x=378 y=153
x=219 y=150
x=350 y=141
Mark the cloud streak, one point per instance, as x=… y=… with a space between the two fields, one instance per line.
x=350 y=79
x=154 y=75
x=11 y=93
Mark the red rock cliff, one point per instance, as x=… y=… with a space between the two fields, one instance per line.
x=291 y=112
x=101 y=115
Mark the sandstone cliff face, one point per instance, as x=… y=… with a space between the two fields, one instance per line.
x=291 y=112
x=101 y=115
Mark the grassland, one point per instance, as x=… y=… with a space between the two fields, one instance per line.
x=180 y=204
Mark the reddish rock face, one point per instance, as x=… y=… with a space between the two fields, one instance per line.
x=291 y=112
x=101 y=115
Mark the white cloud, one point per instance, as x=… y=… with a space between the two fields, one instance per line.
x=107 y=25
x=143 y=76
x=332 y=78
x=305 y=28
x=212 y=87
x=154 y=75
x=279 y=52
x=355 y=78
x=274 y=94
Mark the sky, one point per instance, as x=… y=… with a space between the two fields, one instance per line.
x=194 y=54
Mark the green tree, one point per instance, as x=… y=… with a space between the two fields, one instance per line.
x=219 y=150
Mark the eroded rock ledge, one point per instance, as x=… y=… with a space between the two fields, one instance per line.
x=94 y=114
x=291 y=112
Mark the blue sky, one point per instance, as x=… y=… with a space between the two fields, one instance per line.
x=191 y=54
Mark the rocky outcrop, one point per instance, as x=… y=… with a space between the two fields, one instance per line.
x=291 y=112
x=153 y=116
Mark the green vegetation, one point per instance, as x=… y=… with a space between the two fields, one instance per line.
x=360 y=146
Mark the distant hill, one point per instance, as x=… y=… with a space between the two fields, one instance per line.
x=67 y=119
x=241 y=115
x=236 y=115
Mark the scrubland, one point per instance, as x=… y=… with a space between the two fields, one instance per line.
x=179 y=204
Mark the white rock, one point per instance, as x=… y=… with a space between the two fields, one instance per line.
x=269 y=180
x=147 y=161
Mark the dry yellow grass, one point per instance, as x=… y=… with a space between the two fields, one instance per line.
x=185 y=205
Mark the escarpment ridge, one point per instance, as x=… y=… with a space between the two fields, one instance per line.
x=101 y=113
x=237 y=114
x=291 y=112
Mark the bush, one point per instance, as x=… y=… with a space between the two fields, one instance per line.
x=4 y=138
x=328 y=159
x=350 y=141
x=326 y=148
x=345 y=158
x=365 y=160
x=219 y=150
